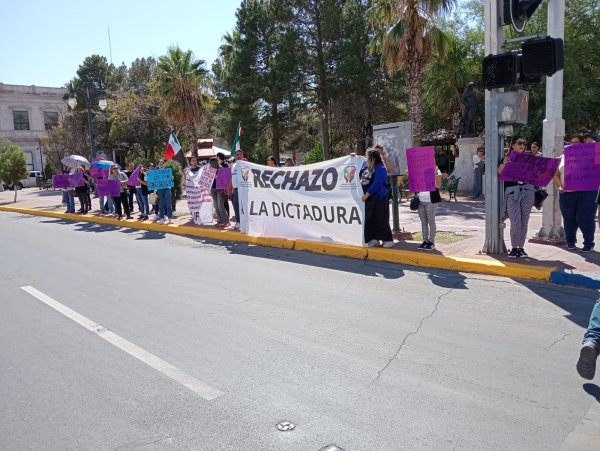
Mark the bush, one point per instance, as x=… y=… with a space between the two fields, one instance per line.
x=314 y=155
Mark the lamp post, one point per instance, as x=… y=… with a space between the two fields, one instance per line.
x=89 y=91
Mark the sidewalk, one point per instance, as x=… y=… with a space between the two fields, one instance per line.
x=461 y=232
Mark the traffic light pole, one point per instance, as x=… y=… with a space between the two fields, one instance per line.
x=494 y=228
x=553 y=129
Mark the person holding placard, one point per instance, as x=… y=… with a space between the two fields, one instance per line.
x=165 y=201
x=428 y=201
x=83 y=192
x=373 y=178
x=120 y=200
x=518 y=202
x=578 y=209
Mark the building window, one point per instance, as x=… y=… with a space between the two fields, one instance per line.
x=21 y=120
x=50 y=119
x=29 y=160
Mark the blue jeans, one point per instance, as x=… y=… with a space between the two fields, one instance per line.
x=578 y=210
x=593 y=331
x=142 y=201
x=165 y=205
x=476 y=190
x=236 y=205
x=70 y=201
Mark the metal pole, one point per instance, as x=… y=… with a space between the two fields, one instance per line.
x=494 y=228
x=89 y=118
x=395 y=210
x=553 y=129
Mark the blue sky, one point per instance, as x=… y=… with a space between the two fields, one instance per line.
x=43 y=43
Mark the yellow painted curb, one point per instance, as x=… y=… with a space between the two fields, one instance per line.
x=340 y=250
x=431 y=260
x=491 y=267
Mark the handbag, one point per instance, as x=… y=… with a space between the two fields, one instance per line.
x=414 y=203
x=540 y=197
x=153 y=198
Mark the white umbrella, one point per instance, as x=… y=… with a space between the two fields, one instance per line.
x=74 y=161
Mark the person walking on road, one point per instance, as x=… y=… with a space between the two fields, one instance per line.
x=588 y=354
x=374 y=181
x=519 y=198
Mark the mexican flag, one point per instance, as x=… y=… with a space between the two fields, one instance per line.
x=172 y=148
x=236 y=141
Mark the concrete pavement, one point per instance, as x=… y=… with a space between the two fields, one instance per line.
x=364 y=354
x=464 y=219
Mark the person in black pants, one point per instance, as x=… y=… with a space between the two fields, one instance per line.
x=83 y=193
x=373 y=178
x=115 y=174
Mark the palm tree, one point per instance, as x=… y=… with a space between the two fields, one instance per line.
x=180 y=81
x=408 y=38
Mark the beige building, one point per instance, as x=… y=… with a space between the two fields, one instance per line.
x=26 y=112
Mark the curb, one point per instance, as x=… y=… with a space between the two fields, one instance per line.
x=412 y=258
x=572 y=277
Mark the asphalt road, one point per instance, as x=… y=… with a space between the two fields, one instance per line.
x=364 y=355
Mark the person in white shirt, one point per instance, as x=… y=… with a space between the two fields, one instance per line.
x=479 y=156
x=428 y=202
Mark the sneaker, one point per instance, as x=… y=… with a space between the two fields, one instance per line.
x=373 y=243
x=514 y=253
x=119 y=218
x=160 y=221
x=236 y=226
x=587 y=248
x=522 y=253
x=422 y=246
x=129 y=217
x=429 y=246
x=586 y=365
x=388 y=244
x=169 y=221
x=571 y=246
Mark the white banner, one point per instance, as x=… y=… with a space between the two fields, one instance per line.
x=317 y=202
x=197 y=189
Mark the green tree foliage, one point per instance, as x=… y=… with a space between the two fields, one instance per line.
x=180 y=83
x=13 y=166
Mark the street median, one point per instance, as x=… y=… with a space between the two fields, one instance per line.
x=422 y=259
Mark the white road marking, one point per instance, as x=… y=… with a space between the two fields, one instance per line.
x=197 y=386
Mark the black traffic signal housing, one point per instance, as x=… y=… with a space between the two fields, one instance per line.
x=542 y=56
x=517 y=12
x=500 y=71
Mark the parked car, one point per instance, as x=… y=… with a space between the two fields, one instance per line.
x=27 y=182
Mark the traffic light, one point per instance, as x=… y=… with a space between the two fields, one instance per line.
x=500 y=71
x=542 y=57
x=517 y=12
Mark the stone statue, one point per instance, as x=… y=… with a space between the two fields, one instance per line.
x=467 y=126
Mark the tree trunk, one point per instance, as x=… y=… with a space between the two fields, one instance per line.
x=275 y=130
x=324 y=116
x=322 y=86
x=415 y=96
x=193 y=139
x=15 y=188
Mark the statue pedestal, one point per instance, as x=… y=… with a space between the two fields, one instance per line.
x=463 y=164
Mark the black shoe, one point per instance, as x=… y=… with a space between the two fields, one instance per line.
x=587 y=248
x=422 y=246
x=514 y=253
x=571 y=246
x=586 y=365
x=429 y=246
x=129 y=217
x=522 y=253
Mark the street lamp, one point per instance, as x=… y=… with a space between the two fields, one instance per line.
x=89 y=91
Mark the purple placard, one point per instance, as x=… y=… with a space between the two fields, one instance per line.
x=97 y=172
x=582 y=167
x=134 y=178
x=76 y=180
x=60 y=181
x=224 y=178
x=522 y=167
x=421 y=168
x=106 y=187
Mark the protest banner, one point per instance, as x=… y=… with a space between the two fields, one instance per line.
x=526 y=168
x=421 y=168
x=317 y=202
x=105 y=187
x=197 y=190
x=224 y=178
x=97 y=172
x=134 y=178
x=582 y=167
x=76 y=180
x=60 y=181
x=159 y=179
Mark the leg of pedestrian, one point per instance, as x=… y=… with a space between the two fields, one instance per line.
x=586 y=365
